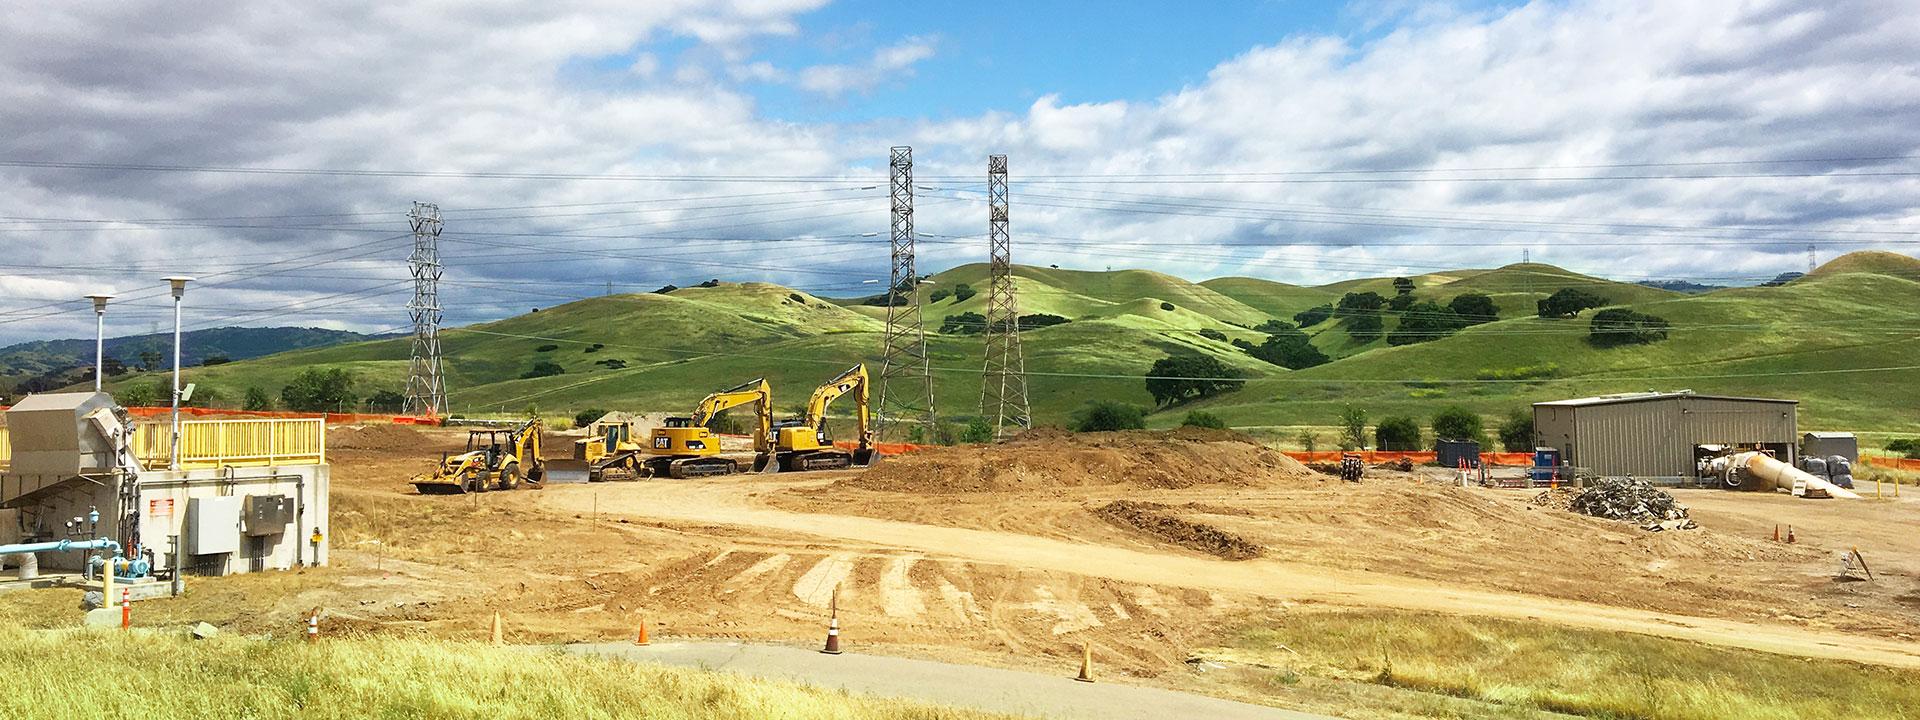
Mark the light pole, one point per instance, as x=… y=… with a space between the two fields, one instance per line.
x=99 y=338
x=179 y=283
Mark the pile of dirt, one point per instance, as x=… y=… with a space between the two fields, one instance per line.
x=377 y=437
x=1055 y=459
x=1402 y=465
x=1630 y=499
x=1157 y=520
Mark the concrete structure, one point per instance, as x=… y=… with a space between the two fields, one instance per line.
x=1660 y=435
x=249 y=496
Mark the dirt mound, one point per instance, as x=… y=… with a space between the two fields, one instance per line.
x=1157 y=520
x=377 y=437
x=1053 y=459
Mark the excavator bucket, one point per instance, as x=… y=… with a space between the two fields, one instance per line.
x=865 y=457
x=764 y=463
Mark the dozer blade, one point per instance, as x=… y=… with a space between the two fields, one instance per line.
x=564 y=471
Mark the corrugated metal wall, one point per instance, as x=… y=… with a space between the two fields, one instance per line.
x=1655 y=438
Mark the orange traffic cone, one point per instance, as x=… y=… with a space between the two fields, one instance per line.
x=833 y=625
x=640 y=638
x=1790 y=534
x=1086 y=664
x=1776 y=532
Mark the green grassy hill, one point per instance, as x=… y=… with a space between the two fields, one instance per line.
x=664 y=351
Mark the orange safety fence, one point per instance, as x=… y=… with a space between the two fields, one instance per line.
x=1892 y=463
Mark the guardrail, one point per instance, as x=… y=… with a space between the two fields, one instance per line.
x=234 y=443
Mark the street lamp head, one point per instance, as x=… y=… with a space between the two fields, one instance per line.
x=179 y=283
x=99 y=303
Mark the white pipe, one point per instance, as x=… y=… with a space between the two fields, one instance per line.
x=1786 y=477
x=173 y=457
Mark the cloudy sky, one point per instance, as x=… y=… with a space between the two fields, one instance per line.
x=273 y=149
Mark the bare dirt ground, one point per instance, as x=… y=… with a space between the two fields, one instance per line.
x=1002 y=555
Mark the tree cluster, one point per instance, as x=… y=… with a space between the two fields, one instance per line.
x=1179 y=378
x=1108 y=415
x=1620 y=326
x=966 y=323
x=1568 y=302
x=319 y=390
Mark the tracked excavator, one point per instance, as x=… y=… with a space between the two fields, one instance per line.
x=685 y=448
x=805 y=444
x=495 y=459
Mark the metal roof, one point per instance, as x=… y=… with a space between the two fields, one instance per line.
x=1831 y=435
x=1645 y=396
x=54 y=401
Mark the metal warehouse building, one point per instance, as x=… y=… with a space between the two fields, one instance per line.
x=1658 y=434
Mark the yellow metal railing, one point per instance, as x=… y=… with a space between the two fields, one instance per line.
x=234 y=443
x=6 y=449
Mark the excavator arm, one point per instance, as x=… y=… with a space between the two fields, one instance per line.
x=755 y=391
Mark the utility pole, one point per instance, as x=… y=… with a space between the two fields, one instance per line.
x=426 y=386
x=1003 y=391
x=906 y=378
x=178 y=285
x=99 y=338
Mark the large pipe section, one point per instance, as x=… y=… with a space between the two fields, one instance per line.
x=1780 y=476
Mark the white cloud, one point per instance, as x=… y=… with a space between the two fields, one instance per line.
x=893 y=62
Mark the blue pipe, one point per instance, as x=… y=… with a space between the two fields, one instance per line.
x=61 y=546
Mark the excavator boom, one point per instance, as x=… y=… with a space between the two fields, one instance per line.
x=807 y=447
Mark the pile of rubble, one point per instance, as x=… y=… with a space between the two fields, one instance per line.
x=1628 y=499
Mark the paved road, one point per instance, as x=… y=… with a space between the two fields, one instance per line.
x=966 y=686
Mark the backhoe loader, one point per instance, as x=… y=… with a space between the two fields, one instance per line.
x=686 y=448
x=495 y=459
x=805 y=444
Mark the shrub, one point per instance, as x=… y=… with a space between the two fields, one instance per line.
x=938 y=295
x=664 y=289
x=1102 y=415
x=1397 y=433
x=966 y=323
x=714 y=283
x=612 y=363
x=1909 y=447
x=594 y=348
x=1474 y=308
x=586 y=417
x=1620 y=326
x=1167 y=306
x=1568 y=302
x=1456 y=423
x=257 y=399
x=1203 y=419
x=318 y=390
x=145 y=394
x=978 y=430
x=1353 y=428
x=1180 y=377
x=1523 y=372
x=1516 y=432
x=1212 y=334
x=961 y=292
x=1313 y=316
x=1309 y=440
x=1273 y=326
x=543 y=368
x=386 y=401
x=1040 y=320
x=546 y=348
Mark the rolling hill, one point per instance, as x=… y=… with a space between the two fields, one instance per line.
x=664 y=351
x=41 y=357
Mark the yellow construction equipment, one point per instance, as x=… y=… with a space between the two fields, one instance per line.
x=805 y=444
x=495 y=459
x=610 y=451
x=686 y=448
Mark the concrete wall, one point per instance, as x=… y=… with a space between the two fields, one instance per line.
x=43 y=518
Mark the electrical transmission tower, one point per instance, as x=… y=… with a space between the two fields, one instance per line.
x=906 y=379
x=426 y=386
x=1003 y=393
x=1811 y=264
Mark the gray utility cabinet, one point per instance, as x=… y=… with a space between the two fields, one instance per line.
x=213 y=525
x=267 y=514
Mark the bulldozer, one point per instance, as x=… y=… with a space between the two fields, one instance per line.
x=804 y=444
x=685 y=448
x=610 y=452
x=495 y=459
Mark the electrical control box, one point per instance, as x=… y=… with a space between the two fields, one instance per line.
x=267 y=514
x=213 y=525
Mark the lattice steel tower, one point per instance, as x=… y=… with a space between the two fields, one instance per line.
x=906 y=378
x=1003 y=392
x=426 y=386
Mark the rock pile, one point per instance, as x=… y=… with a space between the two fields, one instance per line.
x=1633 y=500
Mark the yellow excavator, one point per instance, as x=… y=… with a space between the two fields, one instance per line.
x=805 y=444
x=495 y=459
x=685 y=448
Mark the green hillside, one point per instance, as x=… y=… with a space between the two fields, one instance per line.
x=664 y=351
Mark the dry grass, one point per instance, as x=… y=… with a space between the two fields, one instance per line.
x=75 y=673
x=1576 y=672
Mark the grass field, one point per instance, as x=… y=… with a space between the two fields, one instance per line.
x=1513 y=665
x=73 y=673
x=662 y=352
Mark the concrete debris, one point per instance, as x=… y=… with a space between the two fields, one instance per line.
x=204 y=631
x=1623 y=499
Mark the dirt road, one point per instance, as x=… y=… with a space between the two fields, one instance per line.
x=732 y=503
x=947 y=684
